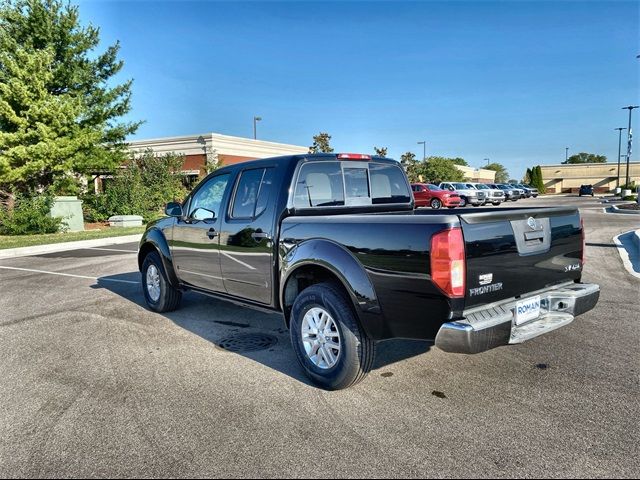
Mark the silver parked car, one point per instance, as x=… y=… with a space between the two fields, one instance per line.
x=494 y=195
x=510 y=192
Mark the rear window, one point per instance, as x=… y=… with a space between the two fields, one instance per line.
x=331 y=184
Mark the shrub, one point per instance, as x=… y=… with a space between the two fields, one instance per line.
x=143 y=187
x=29 y=216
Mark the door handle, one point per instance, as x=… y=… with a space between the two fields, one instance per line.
x=259 y=235
x=212 y=233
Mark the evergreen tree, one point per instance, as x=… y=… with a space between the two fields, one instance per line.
x=321 y=143
x=59 y=113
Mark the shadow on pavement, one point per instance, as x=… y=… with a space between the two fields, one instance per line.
x=223 y=323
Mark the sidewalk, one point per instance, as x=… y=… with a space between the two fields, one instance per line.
x=65 y=246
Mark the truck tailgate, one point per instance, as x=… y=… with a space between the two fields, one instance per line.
x=511 y=252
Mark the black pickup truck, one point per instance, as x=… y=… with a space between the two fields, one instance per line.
x=333 y=242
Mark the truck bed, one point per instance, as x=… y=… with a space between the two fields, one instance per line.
x=505 y=257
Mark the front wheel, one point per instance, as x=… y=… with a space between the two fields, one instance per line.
x=159 y=294
x=436 y=204
x=332 y=348
x=463 y=202
x=496 y=203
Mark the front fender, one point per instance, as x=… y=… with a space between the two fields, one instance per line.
x=341 y=262
x=154 y=238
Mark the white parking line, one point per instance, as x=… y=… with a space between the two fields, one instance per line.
x=112 y=250
x=97 y=279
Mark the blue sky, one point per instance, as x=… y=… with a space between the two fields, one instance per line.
x=514 y=82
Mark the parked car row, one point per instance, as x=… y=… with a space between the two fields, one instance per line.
x=462 y=194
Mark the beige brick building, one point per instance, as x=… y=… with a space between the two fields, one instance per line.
x=568 y=178
x=477 y=175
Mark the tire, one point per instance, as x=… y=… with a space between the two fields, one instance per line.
x=463 y=202
x=496 y=203
x=436 y=204
x=168 y=297
x=357 y=350
x=451 y=207
x=477 y=204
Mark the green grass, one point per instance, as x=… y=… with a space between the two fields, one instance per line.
x=31 y=240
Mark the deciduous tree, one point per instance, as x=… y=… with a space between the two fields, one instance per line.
x=584 y=157
x=381 y=151
x=501 y=172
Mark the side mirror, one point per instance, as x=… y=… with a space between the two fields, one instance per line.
x=173 y=209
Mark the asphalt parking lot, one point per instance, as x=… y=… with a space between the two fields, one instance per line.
x=93 y=384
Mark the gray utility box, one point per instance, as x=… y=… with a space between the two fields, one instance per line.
x=125 y=221
x=70 y=209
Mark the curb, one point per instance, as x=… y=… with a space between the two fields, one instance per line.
x=65 y=246
x=614 y=209
x=625 y=253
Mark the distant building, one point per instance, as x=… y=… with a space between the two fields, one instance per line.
x=477 y=175
x=603 y=176
x=198 y=150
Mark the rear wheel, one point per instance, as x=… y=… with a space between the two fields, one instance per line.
x=332 y=348
x=159 y=294
x=436 y=204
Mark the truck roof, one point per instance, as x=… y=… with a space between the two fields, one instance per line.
x=310 y=156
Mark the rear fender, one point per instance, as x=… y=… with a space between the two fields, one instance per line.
x=344 y=266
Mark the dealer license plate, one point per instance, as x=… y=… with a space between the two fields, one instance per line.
x=527 y=310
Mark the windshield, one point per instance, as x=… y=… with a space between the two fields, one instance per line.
x=434 y=188
x=460 y=186
x=482 y=187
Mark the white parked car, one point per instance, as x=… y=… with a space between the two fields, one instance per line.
x=468 y=193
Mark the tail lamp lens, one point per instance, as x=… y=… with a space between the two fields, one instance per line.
x=448 y=262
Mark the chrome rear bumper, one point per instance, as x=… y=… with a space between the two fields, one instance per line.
x=493 y=325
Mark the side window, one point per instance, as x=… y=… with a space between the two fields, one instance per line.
x=319 y=185
x=266 y=189
x=246 y=197
x=205 y=204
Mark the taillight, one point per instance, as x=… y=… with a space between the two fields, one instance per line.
x=448 y=262
x=584 y=242
x=353 y=156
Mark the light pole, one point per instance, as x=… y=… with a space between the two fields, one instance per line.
x=566 y=154
x=620 y=129
x=629 y=139
x=424 y=150
x=255 y=119
x=487 y=160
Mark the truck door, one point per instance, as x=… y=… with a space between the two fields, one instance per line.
x=246 y=237
x=195 y=242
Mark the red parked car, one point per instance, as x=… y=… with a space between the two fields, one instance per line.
x=427 y=195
